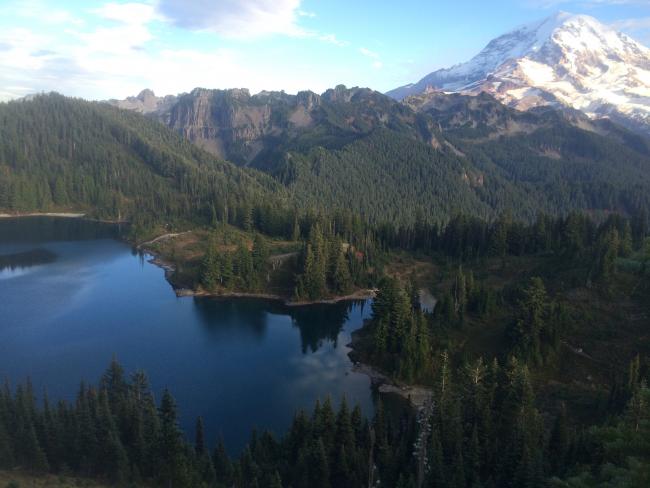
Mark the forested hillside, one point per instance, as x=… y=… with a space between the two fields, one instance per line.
x=560 y=161
x=432 y=155
x=350 y=149
x=480 y=157
x=61 y=153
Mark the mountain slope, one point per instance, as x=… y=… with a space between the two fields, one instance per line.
x=433 y=155
x=558 y=160
x=570 y=60
x=57 y=152
x=253 y=130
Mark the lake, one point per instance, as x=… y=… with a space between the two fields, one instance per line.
x=72 y=295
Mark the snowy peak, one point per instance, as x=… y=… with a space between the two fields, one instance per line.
x=564 y=59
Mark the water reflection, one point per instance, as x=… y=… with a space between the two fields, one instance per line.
x=223 y=317
x=318 y=325
x=48 y=229
x=26 y=259
x=321 y=323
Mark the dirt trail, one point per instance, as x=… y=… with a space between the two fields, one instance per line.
x=163 y=237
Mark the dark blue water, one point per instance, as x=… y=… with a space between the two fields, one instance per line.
x=76 y=296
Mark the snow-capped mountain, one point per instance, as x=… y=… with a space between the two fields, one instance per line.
x=565 y=59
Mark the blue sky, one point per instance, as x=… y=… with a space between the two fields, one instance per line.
x=100 y=49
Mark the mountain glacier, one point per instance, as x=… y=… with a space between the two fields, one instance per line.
x=565 y=60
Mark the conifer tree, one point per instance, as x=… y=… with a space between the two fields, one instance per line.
x=319 y=473
x=171 y=460
x=341 y=280
x=6 y=449
x=34 y=458
x=558 y=445
x=222 y=464
x=199 y=438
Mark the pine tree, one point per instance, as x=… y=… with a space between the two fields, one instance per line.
x=87 y=445
x=437 y=467
x=498 y=239
x=35 y=459
x=380 y=337
x=341 y=280
x=276 y=481
x=319 y=472
x=114 y=382
x=626 y=242
x=199 y=438
x=460 y=295
x=260 y=254
x=295 y=232
x=222 y=465
x=170 y=449
x=244 y=266
x=112 y=458
x=344 y=433
x=249 y=469
x=210 y=272
x=6 y=449
x=341 y=472
x=558 y=445
x=227 y=271
x=608 y=251
x=532 y=316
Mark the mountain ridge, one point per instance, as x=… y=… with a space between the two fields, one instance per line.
x=359 y=152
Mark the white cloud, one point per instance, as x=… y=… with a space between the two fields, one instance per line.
x=77 y=60
x=128 y=13
x=368 y=53
x=235 y=18
x=116 y=53
x=118 y=40
x=103 y=66
x=243 y=20
x=632 y=25
x=329 y=38
x=40 y=11
x=377 y=63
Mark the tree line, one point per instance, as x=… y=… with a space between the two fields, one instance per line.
x=466 y=237
x=482 y=428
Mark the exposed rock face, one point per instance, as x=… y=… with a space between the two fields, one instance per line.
x=256 y=129
x=564 y=60
x=231 y=124
x=235 y=125
x=146 y=102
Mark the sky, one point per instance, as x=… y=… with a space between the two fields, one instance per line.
x=113 y=49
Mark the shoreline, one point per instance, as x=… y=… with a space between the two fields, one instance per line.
x=157 y=260
x=417 y=396
x=63 y=215
x=69 y=215
x=287 y=301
